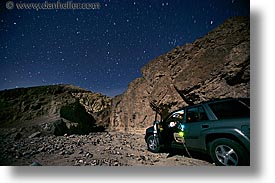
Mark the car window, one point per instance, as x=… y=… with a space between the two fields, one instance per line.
x=196 y=114
x=229 y=109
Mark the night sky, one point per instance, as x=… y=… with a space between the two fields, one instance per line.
x=103 y=49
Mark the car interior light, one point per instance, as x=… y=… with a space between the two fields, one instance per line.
x=182 y=126
x=181 y=134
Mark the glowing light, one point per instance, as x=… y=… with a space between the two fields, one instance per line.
x=182 y=126
x=181 y=134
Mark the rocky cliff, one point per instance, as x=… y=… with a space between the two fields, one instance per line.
x=55 y=109
x=214 y=66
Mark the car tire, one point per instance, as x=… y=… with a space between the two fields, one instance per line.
x=152 y=144
x=227 y=152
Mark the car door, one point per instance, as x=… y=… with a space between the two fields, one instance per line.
x=170 y=125
x=196 y=122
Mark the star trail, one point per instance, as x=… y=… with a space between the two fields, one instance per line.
x=102 y=49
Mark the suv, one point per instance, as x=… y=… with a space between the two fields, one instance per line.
x=220 y=128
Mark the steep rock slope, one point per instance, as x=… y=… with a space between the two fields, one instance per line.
x=55 y=109
x=214 y=66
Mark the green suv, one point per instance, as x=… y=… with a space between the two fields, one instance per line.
x=220 y=128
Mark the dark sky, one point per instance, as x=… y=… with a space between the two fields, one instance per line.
x=103 y=49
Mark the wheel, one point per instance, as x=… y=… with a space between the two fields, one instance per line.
x=152 y=144
x=226 y=152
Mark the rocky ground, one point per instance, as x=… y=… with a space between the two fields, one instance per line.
x=95 y=149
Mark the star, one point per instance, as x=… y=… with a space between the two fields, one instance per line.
x=92 y=49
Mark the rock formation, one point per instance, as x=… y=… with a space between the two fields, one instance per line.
x=214 y=66
x=56 y=109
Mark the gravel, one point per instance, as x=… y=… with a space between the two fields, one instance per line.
x=95 y=149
